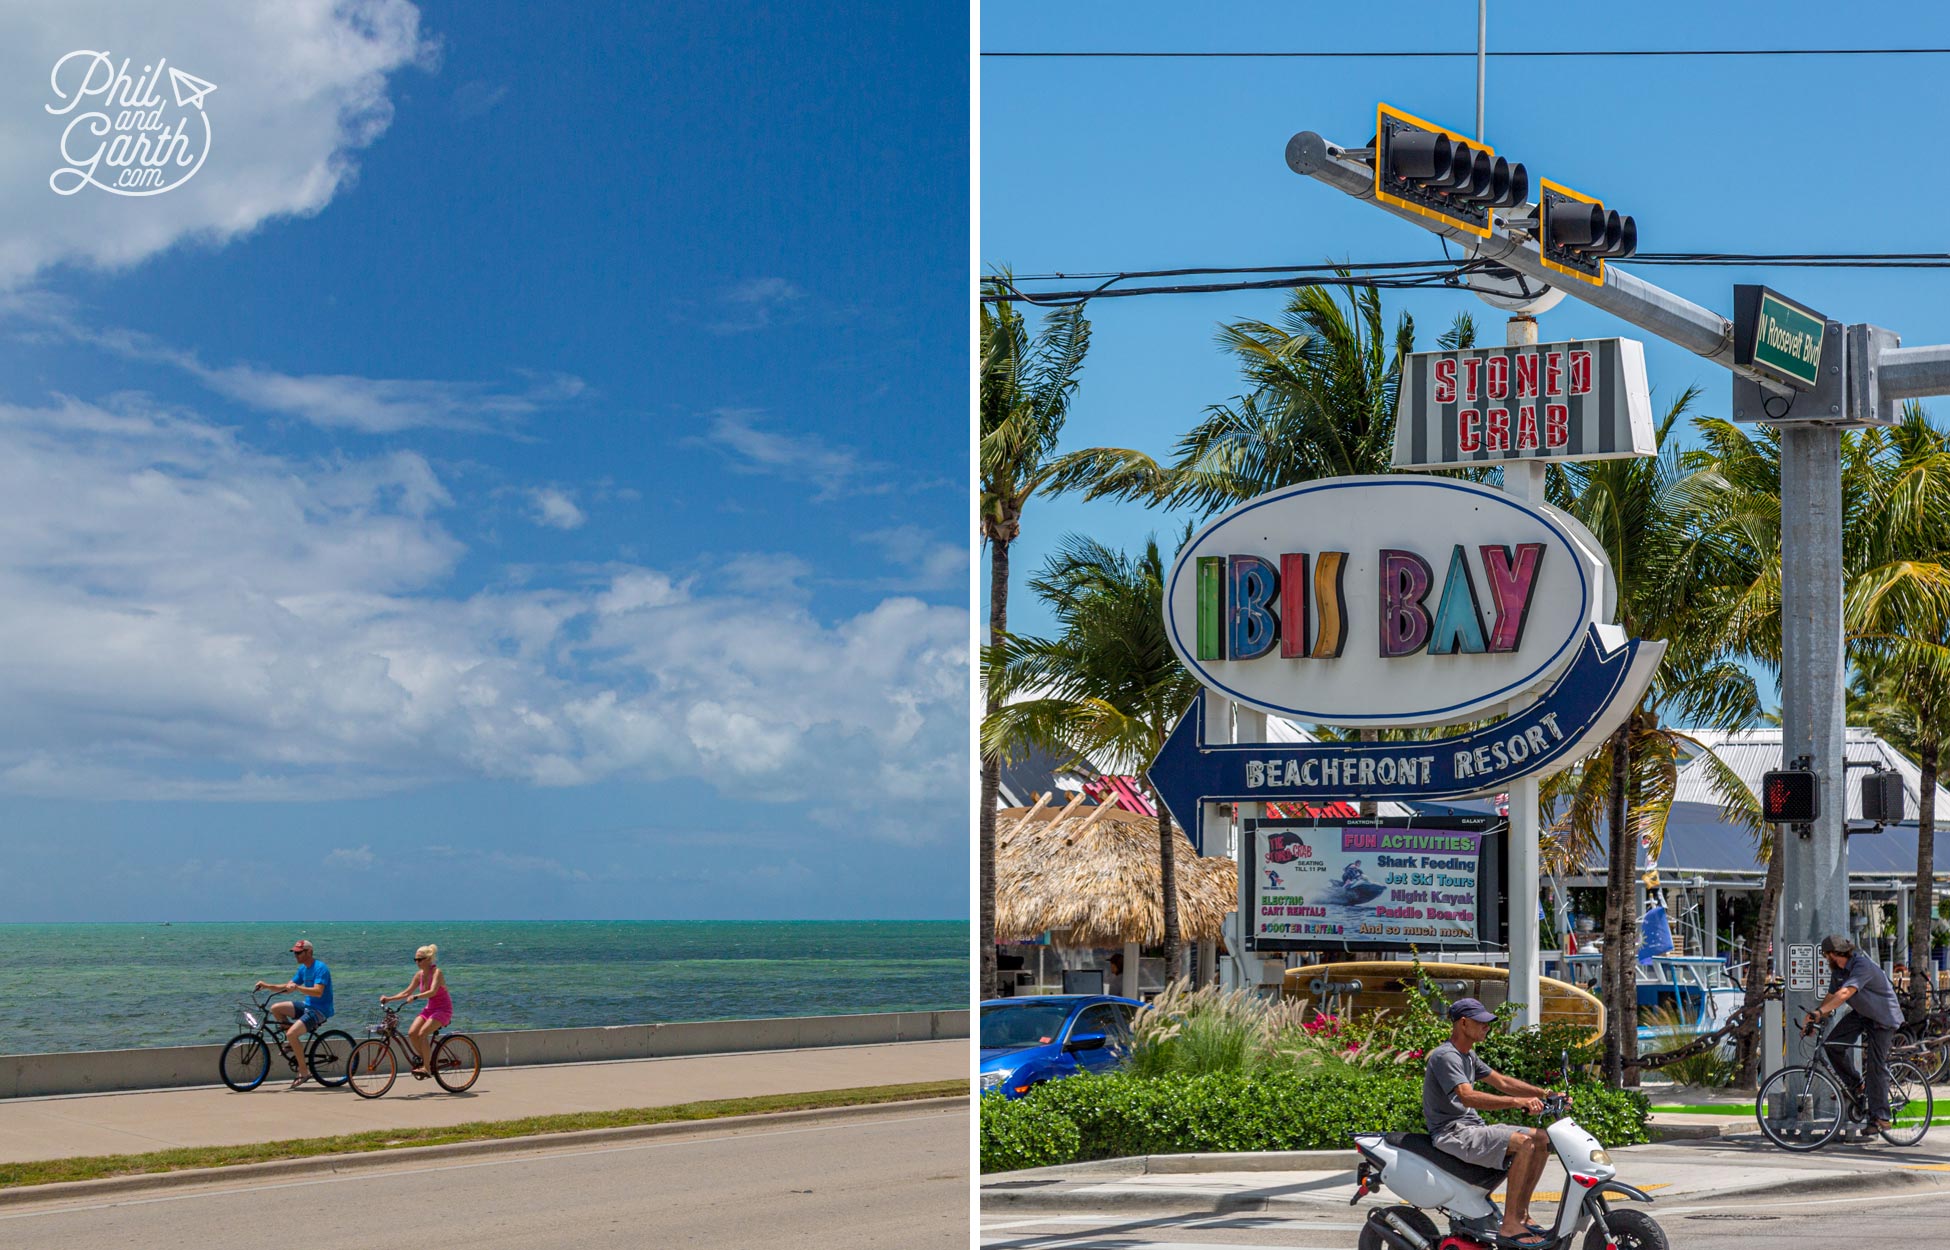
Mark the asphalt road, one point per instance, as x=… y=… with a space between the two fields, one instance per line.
x=899 y=1180
x=1908 y=1218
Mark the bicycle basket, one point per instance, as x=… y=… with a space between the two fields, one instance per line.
x=249 y=1017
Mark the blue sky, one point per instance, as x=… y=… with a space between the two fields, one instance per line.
x=521 y=474
x=1112 y=165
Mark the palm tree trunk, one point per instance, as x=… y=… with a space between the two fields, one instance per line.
x=1748 y=1052
x=992 y=769
x=1621 y=945
x=1923 y=910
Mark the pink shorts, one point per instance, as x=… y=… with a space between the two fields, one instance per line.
x=441 y=1018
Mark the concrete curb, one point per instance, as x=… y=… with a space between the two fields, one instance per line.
x=115 y=1186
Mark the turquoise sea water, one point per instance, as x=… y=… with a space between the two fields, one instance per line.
x=104 y=986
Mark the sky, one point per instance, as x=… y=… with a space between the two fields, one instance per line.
x=1118 y=165
x=519 y=473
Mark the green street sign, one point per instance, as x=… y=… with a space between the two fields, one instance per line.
x=1777 y=337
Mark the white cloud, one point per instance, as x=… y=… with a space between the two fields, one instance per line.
x=755 y=304
x=333 y=401
x=555 y=509
x=189 y=617
x=359 y=857
x=302 y=85
x=930 y=563
x=835 y=470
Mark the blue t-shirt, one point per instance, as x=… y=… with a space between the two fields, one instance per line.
x=316 y=974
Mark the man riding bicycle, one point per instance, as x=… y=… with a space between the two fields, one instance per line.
x=308 y=1012
x=1450 y=1102
x=1873 y=1016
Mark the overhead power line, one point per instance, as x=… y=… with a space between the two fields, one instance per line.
x=1400 y=274
x=1377 y=55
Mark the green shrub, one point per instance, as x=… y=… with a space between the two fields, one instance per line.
x=1275 y=1109
x=1025 y=1134
x=1712 y=1069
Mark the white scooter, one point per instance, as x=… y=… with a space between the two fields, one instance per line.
x=1410 y=1165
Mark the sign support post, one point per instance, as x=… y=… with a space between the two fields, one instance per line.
x=1524 y=479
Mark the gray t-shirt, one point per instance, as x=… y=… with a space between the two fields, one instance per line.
x=1874 y=997
x=1448 y=1068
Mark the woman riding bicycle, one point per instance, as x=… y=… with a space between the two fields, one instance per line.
x=430 y=983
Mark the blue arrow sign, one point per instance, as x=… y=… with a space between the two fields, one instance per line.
x=1589 y=699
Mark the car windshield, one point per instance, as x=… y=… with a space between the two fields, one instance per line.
x=1012 y=1025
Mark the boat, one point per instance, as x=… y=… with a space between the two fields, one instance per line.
x=1696 y=987
x=1356 y=986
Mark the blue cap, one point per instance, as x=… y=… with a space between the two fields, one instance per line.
x=1470 y=1009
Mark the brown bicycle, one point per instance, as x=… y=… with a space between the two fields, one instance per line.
x=375 y=1062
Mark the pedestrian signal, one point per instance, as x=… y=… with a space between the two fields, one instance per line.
x=1789 y=797
x=1882 y=798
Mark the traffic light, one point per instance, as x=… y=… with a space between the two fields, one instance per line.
x=1789 y=797
x=1575 y=233
x=1882 y=798
x=1438 y=173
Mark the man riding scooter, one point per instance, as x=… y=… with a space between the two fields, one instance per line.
x=1874 y=1015
x=1451 y=1100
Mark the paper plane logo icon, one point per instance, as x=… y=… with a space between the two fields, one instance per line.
x=189 y=89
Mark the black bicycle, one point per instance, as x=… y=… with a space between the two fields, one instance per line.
x=375 y=1062
x=1804 y=1106
x=246 y=1058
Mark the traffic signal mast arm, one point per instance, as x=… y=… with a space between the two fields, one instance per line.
x=1699 y=330
x=1900 y=372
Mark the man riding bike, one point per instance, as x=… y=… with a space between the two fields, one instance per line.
x=1874 y=1016
x=1450 y=1102
x=308 y=1012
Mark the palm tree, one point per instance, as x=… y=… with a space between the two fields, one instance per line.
x=1898 y=611
x=1026 y=387
x=1646 y=512
x=1107 y=688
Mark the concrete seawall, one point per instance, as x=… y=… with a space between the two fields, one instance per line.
x=169 y=1067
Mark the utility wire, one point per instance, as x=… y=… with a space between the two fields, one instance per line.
x=1533 y=53
x=1403 y=275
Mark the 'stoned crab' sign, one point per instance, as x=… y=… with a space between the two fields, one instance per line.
x=1387 y=600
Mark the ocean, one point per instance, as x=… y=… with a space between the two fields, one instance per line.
x=108 y=986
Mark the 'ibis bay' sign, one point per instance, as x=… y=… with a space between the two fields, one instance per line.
x=1386 y=600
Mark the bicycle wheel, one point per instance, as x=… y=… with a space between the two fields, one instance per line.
x=245 y=1062
x=372 y=1068
x=1800 y=1108
x=456 y=1063
x=1910 y=1105
x=327 y=1054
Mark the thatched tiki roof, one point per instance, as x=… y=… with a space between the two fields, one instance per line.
x=1093 y=871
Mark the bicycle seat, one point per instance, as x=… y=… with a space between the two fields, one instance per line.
x=1423 y=1146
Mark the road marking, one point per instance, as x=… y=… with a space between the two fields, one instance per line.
x=1926 y=1167
x=382 y=1173
x=1884 y=1197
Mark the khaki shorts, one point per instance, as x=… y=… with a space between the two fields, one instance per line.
x=1486 y=1145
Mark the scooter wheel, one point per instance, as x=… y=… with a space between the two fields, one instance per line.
x=1372 y=1238
x=1631 y=1230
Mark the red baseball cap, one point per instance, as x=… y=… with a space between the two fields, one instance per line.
x=300 y=945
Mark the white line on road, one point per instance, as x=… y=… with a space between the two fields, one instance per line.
x=379 y=1173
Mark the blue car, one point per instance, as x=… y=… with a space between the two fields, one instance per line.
x=1026 y=1041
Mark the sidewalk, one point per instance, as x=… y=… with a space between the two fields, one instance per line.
x=1312 y=1181
x=132 y=1123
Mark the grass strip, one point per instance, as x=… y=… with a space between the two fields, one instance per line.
x=1747 y=1109
x=95 y=1167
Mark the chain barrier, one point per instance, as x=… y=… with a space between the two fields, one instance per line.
x=1739 y=1024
